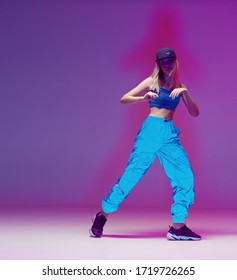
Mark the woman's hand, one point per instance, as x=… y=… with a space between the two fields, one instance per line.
x=177 y=91
x=150 y=95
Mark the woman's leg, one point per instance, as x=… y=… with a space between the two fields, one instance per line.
x=138 y=164
x=176 y=165
x=143 y=154
x=146 y=145
x=175 y=162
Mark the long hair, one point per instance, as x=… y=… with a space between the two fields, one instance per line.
x=158 y=77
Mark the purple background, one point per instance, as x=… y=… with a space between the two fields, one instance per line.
x=65 y=137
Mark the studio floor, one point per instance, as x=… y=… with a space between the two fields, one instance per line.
x=62 y=234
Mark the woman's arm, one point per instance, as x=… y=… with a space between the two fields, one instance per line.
x=191 y=105
x=135 y=95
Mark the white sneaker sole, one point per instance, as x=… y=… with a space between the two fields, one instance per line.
x=93 y=235
x=171 y=236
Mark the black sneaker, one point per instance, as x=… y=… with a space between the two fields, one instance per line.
x=184 y=233
x=98 y=223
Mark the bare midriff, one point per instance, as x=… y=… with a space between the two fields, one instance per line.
x=161 y=113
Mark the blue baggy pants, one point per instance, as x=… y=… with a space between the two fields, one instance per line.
x=156 y=138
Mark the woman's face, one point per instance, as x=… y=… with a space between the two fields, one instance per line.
x=167 y=65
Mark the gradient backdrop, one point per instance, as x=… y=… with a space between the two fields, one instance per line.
x=64 y=65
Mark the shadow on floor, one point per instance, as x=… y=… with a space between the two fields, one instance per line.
x=137 y=235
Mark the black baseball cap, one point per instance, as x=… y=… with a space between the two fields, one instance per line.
x=165 y=53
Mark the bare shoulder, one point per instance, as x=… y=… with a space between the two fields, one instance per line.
x=145 y=85
x=147 y=82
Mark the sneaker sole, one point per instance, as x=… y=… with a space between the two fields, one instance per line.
x=93 y=235
x=171 y=236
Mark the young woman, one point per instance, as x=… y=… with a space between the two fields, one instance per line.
x=158 y=137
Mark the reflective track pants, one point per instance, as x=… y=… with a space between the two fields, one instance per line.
x=156 y=138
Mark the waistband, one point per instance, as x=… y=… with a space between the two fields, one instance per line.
x=156 y=119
